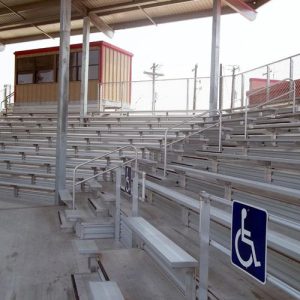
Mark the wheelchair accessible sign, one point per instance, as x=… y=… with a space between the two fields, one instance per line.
x=248 y=240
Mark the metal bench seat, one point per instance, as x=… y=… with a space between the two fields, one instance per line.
x=166 y=249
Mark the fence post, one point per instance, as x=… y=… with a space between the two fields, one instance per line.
x=292 y=80
x=268 y=83
x=204 y=224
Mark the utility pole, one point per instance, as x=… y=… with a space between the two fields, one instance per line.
x=154 y=75
x=195 y=70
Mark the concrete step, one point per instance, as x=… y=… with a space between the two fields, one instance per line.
x=97 y=228
x=81 y=287
x=66 y=197
x=65 y=225
x=86 y=246
x=97 y=207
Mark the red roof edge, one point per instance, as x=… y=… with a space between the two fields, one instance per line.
x=74 y=46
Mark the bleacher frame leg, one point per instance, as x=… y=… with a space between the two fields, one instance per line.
x=190 y=286
x=204 y=224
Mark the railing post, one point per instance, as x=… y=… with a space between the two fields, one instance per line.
x=268 y=83
x=118 y=204
x=204 y=224
x=220 y=130
x=294 y=96
x=5 y=97
x=242 y=90
x=187 y=94
x=74 y=185
x=135 y=194
x=246 y=117
x=165 y=153
x=292 y=83
x=143 y=186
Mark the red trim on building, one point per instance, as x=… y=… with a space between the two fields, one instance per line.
x=74 y=46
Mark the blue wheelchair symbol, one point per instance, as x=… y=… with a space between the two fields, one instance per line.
x=248 y=240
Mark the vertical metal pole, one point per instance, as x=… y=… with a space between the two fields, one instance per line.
x=221 y=88
x=63 y=94
x=232 y=88
x=220 y=130
x=195 y=87
x=135 y=195
x=215 y=56
x=153 y=88
x=291 y=77
x=204 y=224
x=118 y=204
x=242 y=90
x=246 y=118
x=187 y=95
x=143 y=186
x=5 y=97
x=268 y=83
x=85 y=68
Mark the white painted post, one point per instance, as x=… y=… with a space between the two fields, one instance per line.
x=85 y=68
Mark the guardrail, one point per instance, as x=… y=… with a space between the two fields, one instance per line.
x=166 y=145
x=135 y=159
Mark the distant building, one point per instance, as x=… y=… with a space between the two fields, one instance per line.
x=36 y=75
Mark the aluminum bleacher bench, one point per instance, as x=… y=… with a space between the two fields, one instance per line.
x=167 y=254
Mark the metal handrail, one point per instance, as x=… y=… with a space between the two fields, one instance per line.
x=5 y=100
x=293 y=90
x=103 y=172
x=187 y=136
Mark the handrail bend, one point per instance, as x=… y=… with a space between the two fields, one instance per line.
x=133 y=148
x=187 y=136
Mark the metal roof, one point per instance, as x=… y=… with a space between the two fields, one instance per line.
x=26 y=20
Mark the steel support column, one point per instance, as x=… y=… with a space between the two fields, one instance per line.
x=215 y=56
x=85 y=68
x=63 y=94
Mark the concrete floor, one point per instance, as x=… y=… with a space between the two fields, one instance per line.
x=37 y=258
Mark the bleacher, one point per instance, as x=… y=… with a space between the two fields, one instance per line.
x=260 y=168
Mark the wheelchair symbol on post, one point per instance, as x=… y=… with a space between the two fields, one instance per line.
x=248 y=240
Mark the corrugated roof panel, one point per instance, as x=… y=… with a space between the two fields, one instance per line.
x=9 y=18
x=102 y=3
x=10 y=34
x=116 y=13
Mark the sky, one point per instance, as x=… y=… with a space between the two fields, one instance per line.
x=177 y=47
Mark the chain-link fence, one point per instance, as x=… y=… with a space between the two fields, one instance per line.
x=193 y=94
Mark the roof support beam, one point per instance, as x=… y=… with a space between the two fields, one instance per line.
x=242 y=8
x=97 y=21
x=100 y=25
